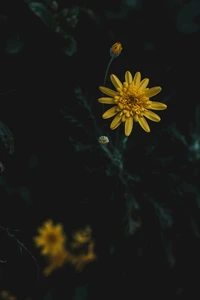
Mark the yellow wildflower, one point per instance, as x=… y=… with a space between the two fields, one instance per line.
x=56 y=261
x=82 y=236
x=81 y=260
x=5 y=295
x=51 y=238
x=131 y=102
x=116 y=49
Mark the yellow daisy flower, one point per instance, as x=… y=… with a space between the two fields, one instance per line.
x=51 y=238
x=131 y=102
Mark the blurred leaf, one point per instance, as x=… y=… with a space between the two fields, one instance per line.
x=64 y=12
x=42 y=12
x=2 y=168
x=148 y=46
x=33 y=161
x=3 y=18
x=81 y=292
x=189 y=188
x=13 y=45
x=25 y=193
x=74 y=11
x=48 y=297
x=133 y=4
x=122 y=14
x=6 y=137
x=6 y=186
x=70 y=46
x=79 y=146
x=186 y=16
x=162 y=211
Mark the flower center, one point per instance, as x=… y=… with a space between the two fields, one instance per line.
x=52 y=238
x=132 y=101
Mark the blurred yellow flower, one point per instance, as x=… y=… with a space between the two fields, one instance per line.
x=5 y=295
x=51 y=238
x=57 y=251
x=56 y=261
x=116 y=49
x=81 y=237
x=81 y=260
x=131 y=102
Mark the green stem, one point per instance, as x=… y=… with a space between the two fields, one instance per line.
x=106 y=75
x=107 y=69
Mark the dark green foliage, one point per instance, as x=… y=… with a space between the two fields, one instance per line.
x=139 y=194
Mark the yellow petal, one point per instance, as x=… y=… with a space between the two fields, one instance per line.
x=44 y=251
x=151 y=116
x=128 y=77
x=48 y=224
x=135 y=118
x=143 y=84
x=115 y=122
x=158 y=106
x=115 y=81
x=106 y=100
x=58 y=227
x=143 y=123
x=114 y=127
x=108 y=91
x=137 y=79
x=128 y=126
x=110 y=112
x=153 y=91
x=124 y=118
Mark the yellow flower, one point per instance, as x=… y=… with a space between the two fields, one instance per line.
x=81 y=260
x=6 y=295
x=56 y=261
x=116 y=49
x=51 y=238
x=131 y=102
x=12 y=298
x=81 y=237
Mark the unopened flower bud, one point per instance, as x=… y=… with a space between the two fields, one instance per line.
x=116 y=49
x=103 y=140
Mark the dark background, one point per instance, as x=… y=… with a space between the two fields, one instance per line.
x=46 y=178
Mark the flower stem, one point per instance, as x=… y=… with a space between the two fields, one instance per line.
x=107 y=69
x=106 y=75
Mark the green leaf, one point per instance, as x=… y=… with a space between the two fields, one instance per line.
x=48 y=297
x=74 y=11
x=42 y=12
x=70 y=46
x=13 y=45
x=64 y=12
x=33 y=161
x=25 y=193
x=3 y=18
x=186 y=17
